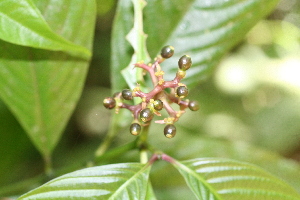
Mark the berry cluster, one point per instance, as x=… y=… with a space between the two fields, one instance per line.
x=158 y=98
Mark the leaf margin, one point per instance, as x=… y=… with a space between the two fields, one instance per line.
x=143 y=168
x=37 y=26
x=183 y=170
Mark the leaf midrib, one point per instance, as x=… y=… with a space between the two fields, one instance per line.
x=191 y=172
x=120 y=189
x=29 y=28
x=38 y=111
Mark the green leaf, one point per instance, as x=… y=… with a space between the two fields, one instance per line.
x=23 y=24
x=192 y=146
x=116 y=181
x=150 y=193
x=104 y=6
x=42 y=87
x=137 y=38
x=214 y=178
x=206 y=30
x=121 y=50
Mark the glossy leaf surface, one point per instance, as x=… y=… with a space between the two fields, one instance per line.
x=117 y=181
x=205 y=30
x=42 y=87
x=214 y=178
x=22 y=23
x=283 y=168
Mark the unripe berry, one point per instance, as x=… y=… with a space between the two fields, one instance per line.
x=167 y=51
x=109 y=102
x=182 y=91
x=127 y=94
x=170 y=131
x=185 y=62
x=135 y=129
x=158 y=104
x=193 y=105
x=146 y=115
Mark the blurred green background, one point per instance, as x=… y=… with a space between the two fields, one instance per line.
x=253 y=99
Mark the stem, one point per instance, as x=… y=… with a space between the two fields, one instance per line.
x=150 y=70
x=144 y=136
x=137 y=39
x=113 y=129
x=143 y=156
x=141 y=53
x=142 y=142
x=161 y=156
x=168 y=108
x=167 y=158
x=48 y=166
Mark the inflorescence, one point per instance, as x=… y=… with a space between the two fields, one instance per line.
x=158 y=98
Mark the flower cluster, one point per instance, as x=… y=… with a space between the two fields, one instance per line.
x=158 y=98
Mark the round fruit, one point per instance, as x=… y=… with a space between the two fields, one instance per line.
x=146 y=115
x=127 y=94
x=193 y=105
x=135 y=129
x=182 y=91
x=167 y=51
x=158 y=104
x=170 y=131
x=185 y=62
x=109 y=102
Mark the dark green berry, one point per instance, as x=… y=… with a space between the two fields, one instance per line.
x=182 y=91
x=185 y=62
x=193 y=105
x=167 y=51
x=158 y=104
x=146 y=115
x=109 y=102
x=127 y=94
x=170 y=131
x=135 y=129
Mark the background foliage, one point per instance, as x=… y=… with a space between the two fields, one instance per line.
x=249 y=107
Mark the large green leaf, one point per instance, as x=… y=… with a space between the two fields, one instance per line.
x=187 y=146
x=116 y=181
x=211 y=178
x=23 y=24
x=205 y=30
x=42 y=87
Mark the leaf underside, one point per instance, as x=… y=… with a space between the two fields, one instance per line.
x=215 y=179
x=42 y=87
x=116 y=181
